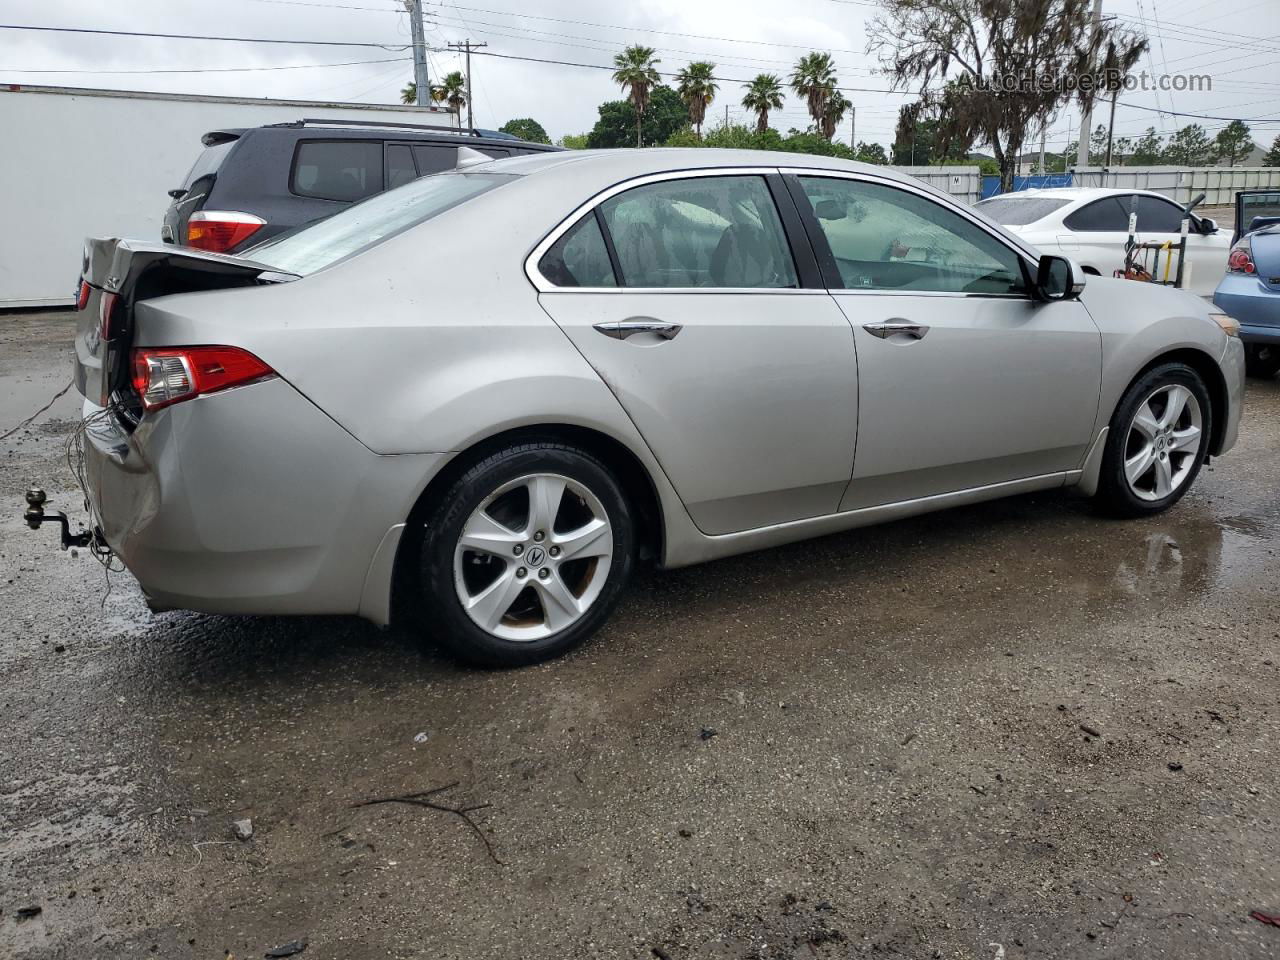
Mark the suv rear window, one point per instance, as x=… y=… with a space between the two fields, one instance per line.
x=208 y=162
x=337 y=169
x=364 y=225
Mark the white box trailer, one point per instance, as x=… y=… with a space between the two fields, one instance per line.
x=78 y=163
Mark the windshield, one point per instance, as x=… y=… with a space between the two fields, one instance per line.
x=372 y=221
x=1018 y=211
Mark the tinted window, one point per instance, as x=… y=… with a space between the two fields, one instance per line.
x=208 y=162
x=496 y=152
x=435 y=158
x=1158 y=216
x=1109 y=213
x=579 y=258
x=1019 y=211
x=337 y=169
x=700 y=232
x=400 y=168
x=884 y=238
x=366 y=224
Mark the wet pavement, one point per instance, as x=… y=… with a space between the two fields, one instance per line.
x=1017 y=724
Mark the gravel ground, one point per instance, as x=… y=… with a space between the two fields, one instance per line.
x=1015 y=727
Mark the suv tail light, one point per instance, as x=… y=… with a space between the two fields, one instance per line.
x=220 y=230
x=166 y=375
x=1240 y=259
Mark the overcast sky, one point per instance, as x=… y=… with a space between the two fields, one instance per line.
x=743 y=38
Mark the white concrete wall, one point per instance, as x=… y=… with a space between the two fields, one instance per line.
x=1180 y=184
x=81 y=163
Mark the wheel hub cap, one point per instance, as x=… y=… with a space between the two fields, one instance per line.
x=1163 y=442
x=533 y=557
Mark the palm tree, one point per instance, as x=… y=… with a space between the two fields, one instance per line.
x=452 y=91
x=409 y=95
x=764 y=93
x=697 y=88
x=833 y=113
x=636 y=68
x=814 y=80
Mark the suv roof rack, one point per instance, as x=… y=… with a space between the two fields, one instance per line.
x=320 y=121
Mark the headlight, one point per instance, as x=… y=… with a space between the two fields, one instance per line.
x=1230 y=325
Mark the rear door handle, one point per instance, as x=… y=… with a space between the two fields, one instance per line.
x=622 y=329
x=888 y=328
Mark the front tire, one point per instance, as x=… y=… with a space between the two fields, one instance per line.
x=1158 y=440
x=524 y=556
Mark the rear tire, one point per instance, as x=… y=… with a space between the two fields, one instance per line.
x=1262 y=361
x=1158 y=440
x=524 y=556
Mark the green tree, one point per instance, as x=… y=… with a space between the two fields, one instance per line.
x=1148 y=150
x=1189 y=147
x=764 y=93
x=663 y=116
x=636 y=71
x=967 y=44
x=409 y=93
x=915 y=139
x=526 y=128
x=871 y=153
x=696 y=84
x=1098 y=143
x=814 y=81
x=1233 y=143
x=573 y=141
x=452 y=92
x=833 y=113
x=686 y=136
x=1121 y=149
x=1272 y=159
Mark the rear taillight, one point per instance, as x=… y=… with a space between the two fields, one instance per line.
x=106 y=313
x=220 y=230
x=82 y=295
x=162 y=376
x=1240 y=259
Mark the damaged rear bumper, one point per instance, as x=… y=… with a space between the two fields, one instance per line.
x=250 y=501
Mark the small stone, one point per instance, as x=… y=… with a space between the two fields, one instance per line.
x=421 y=737
x=243 y=829
x=59 y=648
x=287 y=949
x=708 y=732
x=1175 y=766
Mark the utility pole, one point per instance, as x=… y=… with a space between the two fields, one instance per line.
x=1042 y=136
x=1086 y=121
x=468 y=46
x=853 y=128
x=1111 y=125
x=421 y=80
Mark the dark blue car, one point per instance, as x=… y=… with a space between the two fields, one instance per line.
x=1250 y=291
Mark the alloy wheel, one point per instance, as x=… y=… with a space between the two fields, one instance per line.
x=533 y=557
x=1163 y=442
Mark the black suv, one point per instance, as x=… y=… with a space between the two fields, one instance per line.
x=252 y=184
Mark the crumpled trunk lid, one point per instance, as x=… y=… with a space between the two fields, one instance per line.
x=121 y=273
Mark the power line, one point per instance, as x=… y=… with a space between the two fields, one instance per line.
x=295 y=66
x=189 y=36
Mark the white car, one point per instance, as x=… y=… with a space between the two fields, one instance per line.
x=1091 y=226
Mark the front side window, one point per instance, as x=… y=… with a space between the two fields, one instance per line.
x=699 y=232
x=344 y=170
x=1108 y=215
x=1158 y=216
x=884 y=238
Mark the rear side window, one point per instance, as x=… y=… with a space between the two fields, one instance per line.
x=579 y=258
x=400 y=169
x=337 y=169
x=1107 y=214
x=435 y=158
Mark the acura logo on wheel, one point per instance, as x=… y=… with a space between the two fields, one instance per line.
x=535 y=556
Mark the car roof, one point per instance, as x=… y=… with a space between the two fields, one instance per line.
x=624 y=163
x=1078 y=194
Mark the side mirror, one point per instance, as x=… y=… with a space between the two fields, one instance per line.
x=1058 y=278
x=830 y=210
x=1208 y=225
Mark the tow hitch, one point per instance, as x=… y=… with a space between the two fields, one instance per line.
x=35 y=516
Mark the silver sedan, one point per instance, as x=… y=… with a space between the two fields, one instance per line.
x=477 y=401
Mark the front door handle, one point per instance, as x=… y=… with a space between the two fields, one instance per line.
x=622 y=329
x=884 y=329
